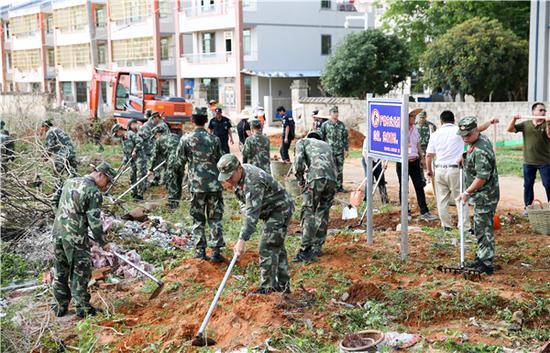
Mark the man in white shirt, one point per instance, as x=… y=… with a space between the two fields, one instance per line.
x=447 y=147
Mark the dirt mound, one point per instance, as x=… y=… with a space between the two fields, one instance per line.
x=297 y=301
x=360 y=292
x=355 y=139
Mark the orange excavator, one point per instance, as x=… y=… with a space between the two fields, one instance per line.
x=133 y=93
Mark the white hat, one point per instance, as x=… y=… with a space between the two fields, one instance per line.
x=322 y=114
x=245 y=114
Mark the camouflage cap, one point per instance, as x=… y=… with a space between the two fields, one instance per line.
x=334 y=109
x=106 y=169
x=155 y=115
x=115 y=128
x=466 y=125
x=148 y=113
x=422 y=114
x=200 y=111
x=47 y=122
x=255 y=123
x=314 y=135
x=131 y=122
x=227 y=165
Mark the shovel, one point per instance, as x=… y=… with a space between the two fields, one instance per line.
x=123 y=169
x=384 y=166
x=200 y=340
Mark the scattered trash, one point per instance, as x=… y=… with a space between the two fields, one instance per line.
x=366 y=340
x=410 y=229
x=524 y=264
x=103 y=259
x=517 y=321
x=398 y=340
x=473 y=322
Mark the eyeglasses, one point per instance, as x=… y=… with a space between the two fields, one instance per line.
x=542 y=110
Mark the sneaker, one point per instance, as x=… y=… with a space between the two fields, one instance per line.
x=89 y=311
x=471 y=231
x=525 y=212
x=201 y=254
x=262 y=291
x=216 y=256
x=428 y=217
x=472 y=264
x=303 y=255
x=341 y=190
x=283 y=288
x=317 y=252
x=59 y=311
x=173 y=205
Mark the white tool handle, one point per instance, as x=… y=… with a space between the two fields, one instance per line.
x=461 y=220
x=137 y=183
x=217 y=296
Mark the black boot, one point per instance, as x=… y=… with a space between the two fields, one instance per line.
x=201 y=254
x=217 y=256
x=173 y=204
x=59 y=310
x=303 y=255
x=88 y=311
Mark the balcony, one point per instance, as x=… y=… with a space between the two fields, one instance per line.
x=26 y=41
x=209 y=17
x=218 y=64
x=74 y=73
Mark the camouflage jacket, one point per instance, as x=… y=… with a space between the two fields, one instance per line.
x=480 y=163
x=336 y=135
x=315 y=156
x=425 y=133
x=132 y=142
x=165 y=148
x=79 y=209
x=256 y=152
x=7 y=146
x=146 y=133
x=59 y=143
x=260 y=196
x=201 y=151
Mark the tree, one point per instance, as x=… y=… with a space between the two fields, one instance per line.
x=420 y=22
x=478 y=57
x=366 y=62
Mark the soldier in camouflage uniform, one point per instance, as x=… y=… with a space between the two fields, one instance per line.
x=261 y=197
x=482 y=190
x=165 y=148
x=334 y=132
x=7 y=147
x=132 y=147
x=314 y=157
x=146 y=133
x=200 y=151
x=79 y=209
x=61 y=149
x=256 y=148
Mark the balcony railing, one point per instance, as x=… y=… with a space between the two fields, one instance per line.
x=208 y=58
x=208 y=9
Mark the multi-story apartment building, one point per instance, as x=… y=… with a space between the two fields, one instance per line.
x=239 y=52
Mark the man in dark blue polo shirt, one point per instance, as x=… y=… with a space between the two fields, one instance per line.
x=221 y=126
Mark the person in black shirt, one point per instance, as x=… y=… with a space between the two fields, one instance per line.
x=288 y=132
x=221 y=126
x=243 y=127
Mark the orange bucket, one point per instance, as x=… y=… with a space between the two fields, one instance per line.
x=496 y=222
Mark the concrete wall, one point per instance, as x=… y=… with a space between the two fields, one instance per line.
x=14 y=106
x=352 y=112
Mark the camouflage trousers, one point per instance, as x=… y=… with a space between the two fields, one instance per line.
x=173 y=179
x=273 y=256
x=314 y=217
x=207 y=207
x=62 y=168
x=160 y=172
x=73 y=265
x=339 y=164
x=483 y=227
x=139 y=170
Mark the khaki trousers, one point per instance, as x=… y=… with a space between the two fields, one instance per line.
x=447 y=188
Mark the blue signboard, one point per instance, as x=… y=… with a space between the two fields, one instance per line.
x=384 y=129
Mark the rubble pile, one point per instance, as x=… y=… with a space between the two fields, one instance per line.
x=104 y=259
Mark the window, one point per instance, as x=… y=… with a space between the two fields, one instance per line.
x=164 y=8
x=150 y=85
x=101 y=54
x=81 y=92
x=100 y=20
x=70 y=19
x=247 y=42
x=67 y=89
x=8 y=60
x=122 y=90
x=73 y=55
x=7 y=29
x=212 y=91
x=49 y=24
x=208 y=42
x=325 y=4
x=103 y=91
x=166 y=48
x=228 y=45
x=51 y=58
x=247 y=90
x=127 y=52
x=165 y=88
x=326 y=44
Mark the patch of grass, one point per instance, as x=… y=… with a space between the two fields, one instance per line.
x=451 y=346
x=14 y=267
x=510 y=161
x=295 y=339
x=370 y=315
x=87 y=337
